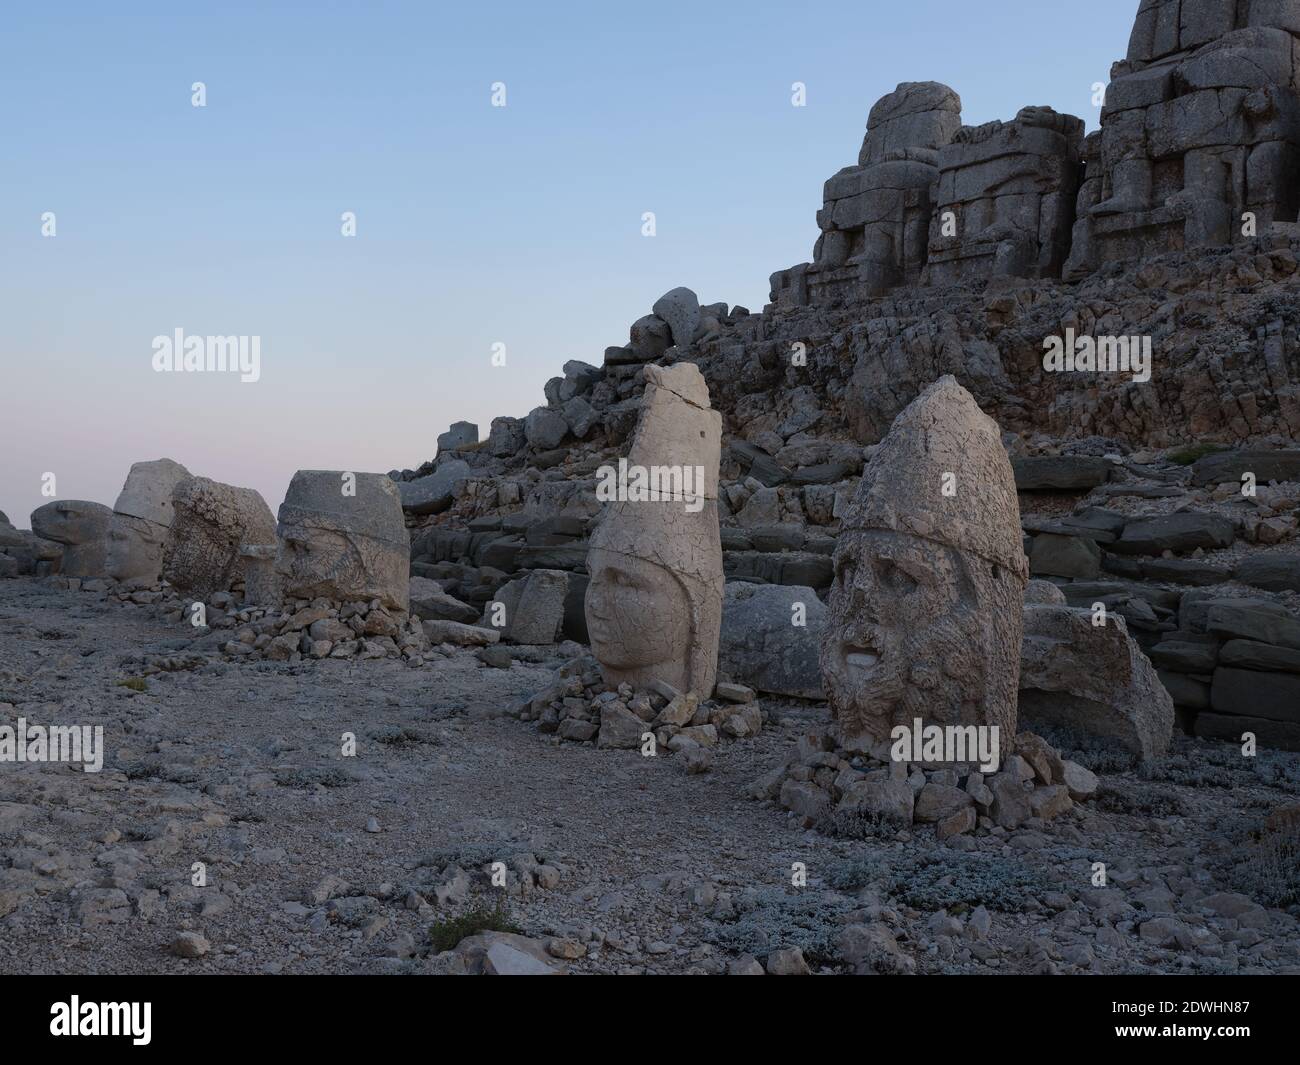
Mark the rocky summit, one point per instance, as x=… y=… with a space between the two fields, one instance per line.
x=940 y=616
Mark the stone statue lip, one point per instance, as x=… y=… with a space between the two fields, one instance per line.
x=860 y=661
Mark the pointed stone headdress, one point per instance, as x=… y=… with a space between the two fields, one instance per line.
x=944 y=432
x=678 y=428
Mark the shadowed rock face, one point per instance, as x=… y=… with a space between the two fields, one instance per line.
x=1005 y=199
x=82 y=528
x=141 y=517
x=1201 y=125
x=343 y=547
x=211 y=523
x=924 y=616
x=654 y=603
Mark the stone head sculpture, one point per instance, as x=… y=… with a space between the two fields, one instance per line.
x=342 y=536
x=141 y=517
x=81 y=527
x=924 y=619
x=654 y=602
x=212 y=522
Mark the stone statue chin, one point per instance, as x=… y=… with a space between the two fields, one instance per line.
x=638 y=617
x=912 y=633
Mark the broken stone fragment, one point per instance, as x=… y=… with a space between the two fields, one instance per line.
x=141 y=517
x=1091 y=678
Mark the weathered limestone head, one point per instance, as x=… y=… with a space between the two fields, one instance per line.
x=211 y=523
x=141 y=517
x=342 y=536
x=924 y=617
x=654 y=603
x=82 y=528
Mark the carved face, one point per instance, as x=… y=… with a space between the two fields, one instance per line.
x=637 y=613
x=313 y=558
x=908 y=632
x=134 y=548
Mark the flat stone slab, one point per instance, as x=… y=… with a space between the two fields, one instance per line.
x=1060 y=473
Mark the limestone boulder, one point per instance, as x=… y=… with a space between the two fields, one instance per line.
x=1091 y=678
x=434 y=494
x=771 y=638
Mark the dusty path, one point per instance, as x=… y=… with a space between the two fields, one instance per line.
x=238 y=766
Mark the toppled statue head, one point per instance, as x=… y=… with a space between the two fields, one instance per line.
x=212 y=523
x=81 y=527
x=141 y=517
x=924 y=616
x=654 y=602
x=342 y=536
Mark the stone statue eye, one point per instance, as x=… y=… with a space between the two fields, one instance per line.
x=894 y=577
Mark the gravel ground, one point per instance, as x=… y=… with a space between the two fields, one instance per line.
x=317 y=862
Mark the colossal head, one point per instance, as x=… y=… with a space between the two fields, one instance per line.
x=924 y=617
x=342 y=536
x=82 y=528
x=654 y=602
x=141 y=517
x=212 y=523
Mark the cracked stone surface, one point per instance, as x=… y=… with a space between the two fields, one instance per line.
x=924 y=617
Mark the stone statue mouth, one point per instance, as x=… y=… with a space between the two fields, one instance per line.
x=861 y=659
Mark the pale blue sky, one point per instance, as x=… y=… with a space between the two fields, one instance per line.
x=475 y=224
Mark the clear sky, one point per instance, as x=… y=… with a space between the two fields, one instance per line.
x=476 y=224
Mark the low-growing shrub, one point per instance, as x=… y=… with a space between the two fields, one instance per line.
x=1267 y=867
x=447 y=933
x=770 y=918
x=1146 y=800
x=939 y=882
